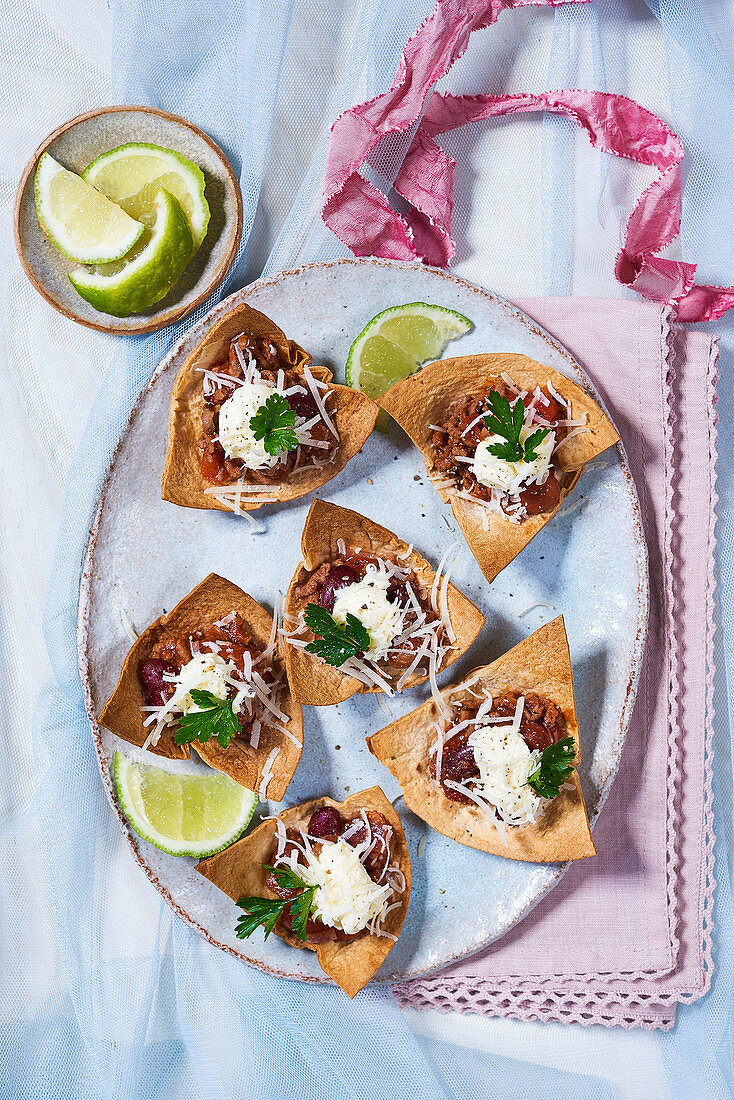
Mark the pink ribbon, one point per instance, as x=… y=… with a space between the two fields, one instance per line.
x=361 y=216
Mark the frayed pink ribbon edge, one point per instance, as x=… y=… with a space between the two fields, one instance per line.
x=361 y=216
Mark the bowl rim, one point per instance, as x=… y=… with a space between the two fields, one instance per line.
x=175 y=312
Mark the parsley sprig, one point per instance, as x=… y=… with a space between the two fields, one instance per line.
x=216 y=719
x=554 y=768
x=273 y=424
x=266 y=911
x=507 y=421
x=336 y=643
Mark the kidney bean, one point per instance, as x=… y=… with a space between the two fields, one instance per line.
x=157 y=691
x=398 y=593
x=326 y=822
x=303 y=404
x=339 y=577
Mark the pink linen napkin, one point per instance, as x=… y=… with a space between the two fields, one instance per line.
x=626 y=936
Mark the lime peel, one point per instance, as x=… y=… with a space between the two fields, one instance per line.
x=181 y=813
x=146 y=276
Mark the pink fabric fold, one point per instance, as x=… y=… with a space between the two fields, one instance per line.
x=361 y=215
x=626 y=936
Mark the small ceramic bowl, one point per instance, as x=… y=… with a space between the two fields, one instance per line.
x=75 y=145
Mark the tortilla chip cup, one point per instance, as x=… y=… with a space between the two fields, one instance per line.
x=210 y=601
x=426 y=398
x=540 y=663
x=314 y=682
x=238 y=871
x=353 y=413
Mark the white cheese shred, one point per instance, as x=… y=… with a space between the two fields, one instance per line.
x=267 y=775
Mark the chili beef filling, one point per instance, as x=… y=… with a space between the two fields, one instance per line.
x=227 y=640
x=327 y=825
x=542 y=724
x=455 y=445
x=265 y=363
x=420 y=621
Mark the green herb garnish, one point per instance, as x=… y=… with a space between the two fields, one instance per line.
x=216 y=719
x=265 y=911
x=273 y=424
x=554 y=768
x=336 y=643
x=508 y=422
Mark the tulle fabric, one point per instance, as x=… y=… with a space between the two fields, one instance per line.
x=106 y=993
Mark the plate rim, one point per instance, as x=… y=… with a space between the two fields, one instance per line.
x=643 y=599
x=175 y=312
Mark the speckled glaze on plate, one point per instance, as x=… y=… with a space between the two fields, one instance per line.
x=75 y=145
x=589 y=563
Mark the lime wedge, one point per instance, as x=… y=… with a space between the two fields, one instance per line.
x=398 y=341
x=83 y=224
x=182 y=814
x=146 y=275
x=133 y=174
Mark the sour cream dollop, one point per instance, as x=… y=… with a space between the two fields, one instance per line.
x=367 y=601
x=235 y=434
x=512 y=477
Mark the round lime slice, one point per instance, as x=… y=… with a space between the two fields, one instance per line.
x=147 y=273
x=82 y=222
x=133 y=174
x=182 y=814
x=397 y=342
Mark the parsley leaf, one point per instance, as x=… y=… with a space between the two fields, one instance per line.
x=507 y=421
x=336 y=643
x=301 y=910
x=216 y=719
x=286 y=877
x=533 y=442
x=266 y=911
x=273 y=423
x=259 y=911
x=554 y=768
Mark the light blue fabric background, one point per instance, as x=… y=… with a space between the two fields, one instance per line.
x=180 y=1017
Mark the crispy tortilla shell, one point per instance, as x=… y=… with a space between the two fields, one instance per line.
x=354 y=415
x=314 y=682
x=427 y=397
x=540 y=663
x=239 y=873
x=211 y=600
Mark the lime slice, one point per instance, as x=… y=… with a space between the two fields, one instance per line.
x=182 y=814
x=146 y=275
x=398 y=341
x=83 y=224
x=133 y=174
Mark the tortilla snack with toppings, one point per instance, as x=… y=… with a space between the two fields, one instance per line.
x=356 y=575
x=504 y=440
x=217 y=641
x=355 y=913
x=493 y=768
x=252 y=422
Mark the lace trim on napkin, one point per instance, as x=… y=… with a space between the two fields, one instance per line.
x=449 y=993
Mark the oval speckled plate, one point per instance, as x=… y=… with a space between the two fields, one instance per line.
x=589 y=563
x=75 y=145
